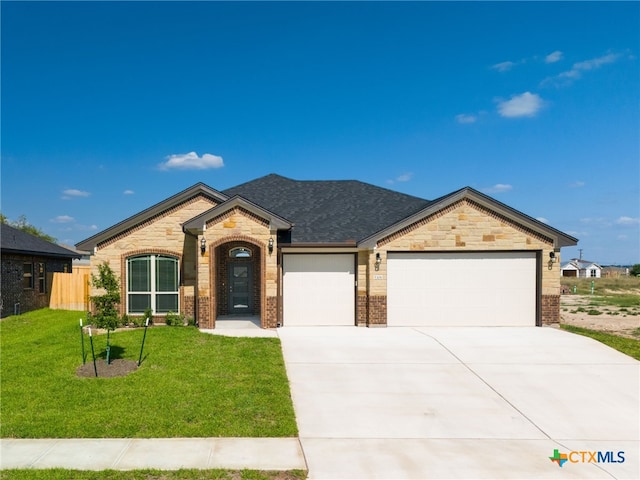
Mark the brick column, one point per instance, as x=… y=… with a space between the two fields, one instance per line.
x=377 y=311
x=550 y=309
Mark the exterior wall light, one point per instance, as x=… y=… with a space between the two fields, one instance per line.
x=552 y=260
x=378 y=261
x=270 y=244
x=203 y=245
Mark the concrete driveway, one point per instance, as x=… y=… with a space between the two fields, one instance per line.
x=422 y=403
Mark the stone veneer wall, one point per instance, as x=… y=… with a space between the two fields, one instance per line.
x=464 y=226
x=160 y=234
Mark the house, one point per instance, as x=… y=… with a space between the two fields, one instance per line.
x=576 y=267
x=335 y=253
x=28 y=264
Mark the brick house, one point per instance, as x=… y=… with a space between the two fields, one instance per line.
x=28 y=264
x=335 y=253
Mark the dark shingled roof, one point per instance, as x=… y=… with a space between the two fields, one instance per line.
x=329 y=211
x=13 y=240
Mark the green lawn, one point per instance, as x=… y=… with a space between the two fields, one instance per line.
x=628 y=346
x=61 y=474
x=190 y=384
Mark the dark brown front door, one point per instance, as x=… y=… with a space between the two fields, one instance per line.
x=240 y=288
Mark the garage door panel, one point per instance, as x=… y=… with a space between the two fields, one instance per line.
x=318 y=289
x=492 y=289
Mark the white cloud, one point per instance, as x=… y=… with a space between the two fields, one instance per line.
x=542 y=219
x=72 y=192
x=577 y=184
x=62 y=219
x=553 y=57
x=503 y=66
x=628 y=221
x=191 y=161
x=405 y=177
x=578 y=68
x=526 y=104
x=128 y=192
x=498 y=188
x=464 y=118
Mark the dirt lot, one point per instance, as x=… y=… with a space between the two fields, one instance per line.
x=580 y=311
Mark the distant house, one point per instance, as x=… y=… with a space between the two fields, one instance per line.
x=579 y=268
x=28 y=264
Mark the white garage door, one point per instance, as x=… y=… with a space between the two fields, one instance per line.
x=318 y=289
x=482 y=289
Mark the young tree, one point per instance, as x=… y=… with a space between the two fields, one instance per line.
x=106 y=313
x=635 y=270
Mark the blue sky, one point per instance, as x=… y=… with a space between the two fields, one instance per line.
x=109 y=108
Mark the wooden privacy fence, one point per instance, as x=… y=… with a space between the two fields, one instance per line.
x=70 y=291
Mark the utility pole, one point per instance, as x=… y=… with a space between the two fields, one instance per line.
x=580 y=250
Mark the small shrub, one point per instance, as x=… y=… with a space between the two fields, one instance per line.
x=593 y=311
x=125 y=320
x=148 y=313
x=174 y=319
x=137 y=321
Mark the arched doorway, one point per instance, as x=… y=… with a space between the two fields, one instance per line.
x=238 y=274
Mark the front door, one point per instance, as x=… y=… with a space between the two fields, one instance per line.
x=240 y=288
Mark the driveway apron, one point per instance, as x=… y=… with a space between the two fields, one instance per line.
x=422 y=403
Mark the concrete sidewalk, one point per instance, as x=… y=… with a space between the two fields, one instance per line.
x=157 y=453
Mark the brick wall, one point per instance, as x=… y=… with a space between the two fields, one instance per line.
x=14 y=295
x=377 y=310
x=550 y=309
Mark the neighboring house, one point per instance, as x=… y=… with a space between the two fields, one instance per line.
x=335 y=253
x=581 y=269
x=28 y=264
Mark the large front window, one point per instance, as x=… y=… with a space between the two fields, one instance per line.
x=152 y=282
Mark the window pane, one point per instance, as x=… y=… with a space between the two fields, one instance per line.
x=166 y=303
x=166 y=274
x=138 y=303
x=27 y=279
x=139 y=275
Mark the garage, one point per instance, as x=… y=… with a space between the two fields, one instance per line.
x=318 y=289
x=461 y=289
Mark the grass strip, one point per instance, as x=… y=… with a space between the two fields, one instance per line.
x=189 y=384
x=628 y=346
x=186 y=474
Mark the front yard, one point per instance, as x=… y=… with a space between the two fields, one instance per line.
x=189 y=384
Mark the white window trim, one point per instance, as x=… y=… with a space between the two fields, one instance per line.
x=152 y=293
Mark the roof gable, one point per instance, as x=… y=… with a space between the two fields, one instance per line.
x=198 y=224
x=199 y=189
x=13 y=240
x=559 y=238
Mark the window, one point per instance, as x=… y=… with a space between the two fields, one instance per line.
x=152 y=282
x=593 y=272
x=27 y=275
x=42 y=281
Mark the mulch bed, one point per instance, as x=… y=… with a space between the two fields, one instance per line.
x=117 y=368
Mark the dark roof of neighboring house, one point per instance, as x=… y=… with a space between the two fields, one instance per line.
x=329 y=211
x=13 y=240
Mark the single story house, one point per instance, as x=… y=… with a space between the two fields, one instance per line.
x=28 y=264
x=335 y=253
x=576 y=267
